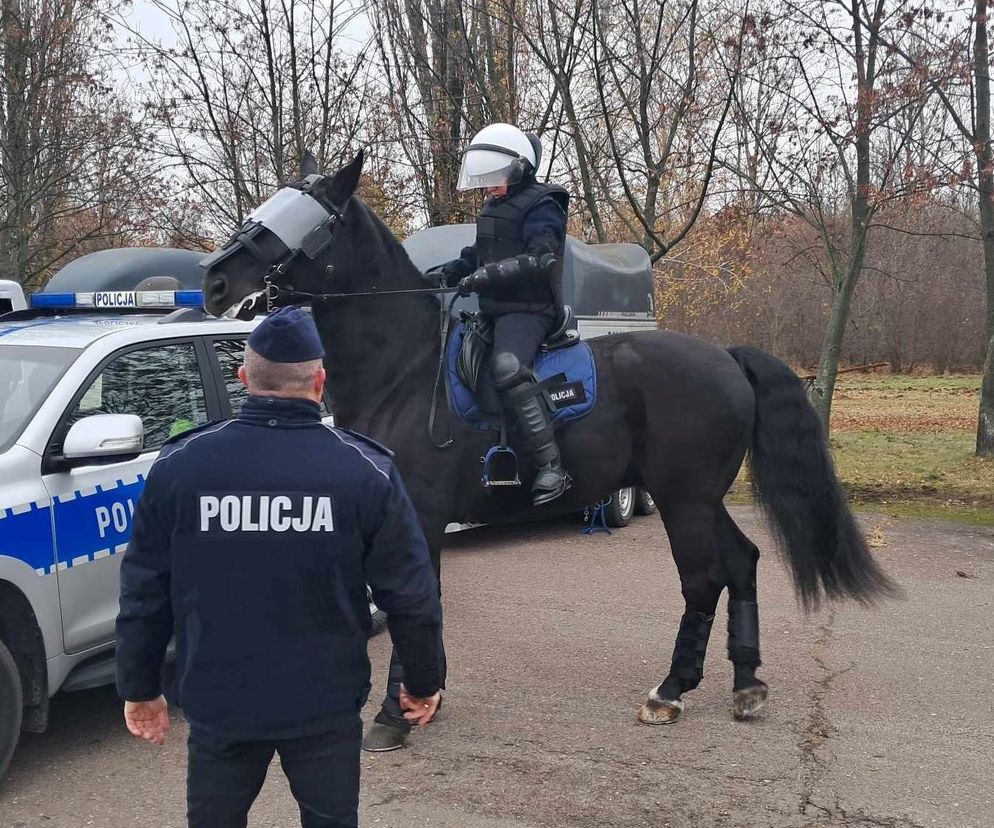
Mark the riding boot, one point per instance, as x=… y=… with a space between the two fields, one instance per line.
x=535 y=427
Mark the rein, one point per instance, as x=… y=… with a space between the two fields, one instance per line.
x=274 y=293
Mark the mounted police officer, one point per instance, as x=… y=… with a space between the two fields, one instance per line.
x=515 y=267
x=253 y=543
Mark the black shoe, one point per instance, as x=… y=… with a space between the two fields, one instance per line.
x=381 y=738
x=551 y=481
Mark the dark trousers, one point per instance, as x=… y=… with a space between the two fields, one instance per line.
x=521 y=334
x=224 y=777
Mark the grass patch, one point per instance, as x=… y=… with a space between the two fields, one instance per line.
x=904 y=446
x=879 y=464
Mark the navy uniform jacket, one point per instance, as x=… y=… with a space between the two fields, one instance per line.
x=253 y=542
x=531 y=218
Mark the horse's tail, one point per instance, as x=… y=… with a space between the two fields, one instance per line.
x=794 y=478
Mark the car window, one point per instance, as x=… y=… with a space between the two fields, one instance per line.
x=161 y=384
x=230 y=354
x=27 y=375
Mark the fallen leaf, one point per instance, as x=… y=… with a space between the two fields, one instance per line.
x=876 y=539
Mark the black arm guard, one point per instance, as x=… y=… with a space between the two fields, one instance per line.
x=507 y=273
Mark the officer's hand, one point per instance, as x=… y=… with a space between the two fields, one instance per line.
x=467 y=285
x=149 y=720
x=455 y=270
x=419 y=711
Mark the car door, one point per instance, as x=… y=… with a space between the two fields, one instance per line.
x=163 y=383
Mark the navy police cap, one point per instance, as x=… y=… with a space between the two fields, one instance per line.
x=288 y=335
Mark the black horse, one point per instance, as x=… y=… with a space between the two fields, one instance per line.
x=674 y=414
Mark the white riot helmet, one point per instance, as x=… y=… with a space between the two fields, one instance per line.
x=498 y=154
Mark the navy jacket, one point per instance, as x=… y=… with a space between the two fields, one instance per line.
x=253 y=542
x=531 y=218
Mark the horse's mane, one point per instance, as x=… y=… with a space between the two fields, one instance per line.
x=394 y=250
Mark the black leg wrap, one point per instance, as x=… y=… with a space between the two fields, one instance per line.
x=743 y=633
x=691 y=645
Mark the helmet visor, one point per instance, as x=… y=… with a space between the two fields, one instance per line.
x=485 y=168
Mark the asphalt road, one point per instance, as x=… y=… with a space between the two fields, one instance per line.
x=879 y=717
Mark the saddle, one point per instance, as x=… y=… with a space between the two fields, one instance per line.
x=564 y=369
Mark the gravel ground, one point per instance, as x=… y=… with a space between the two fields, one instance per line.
x=877 y=717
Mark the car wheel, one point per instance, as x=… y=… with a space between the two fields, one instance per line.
x=619 y=511
x=11 y=707
x=644 y=504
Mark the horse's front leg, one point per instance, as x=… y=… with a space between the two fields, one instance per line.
x=390 y=729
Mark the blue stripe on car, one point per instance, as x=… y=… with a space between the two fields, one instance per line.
x=89 y=525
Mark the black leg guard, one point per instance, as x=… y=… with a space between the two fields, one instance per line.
x=743 y=641
x=687 y=667
x=534 y=424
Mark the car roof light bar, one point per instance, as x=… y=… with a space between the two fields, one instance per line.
x=111 y=299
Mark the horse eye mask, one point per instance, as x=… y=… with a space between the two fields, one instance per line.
x=290 y=215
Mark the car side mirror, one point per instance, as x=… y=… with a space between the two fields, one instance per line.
x=104 y=437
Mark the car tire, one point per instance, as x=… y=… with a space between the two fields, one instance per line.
x=644 y=504
x=11 y=707
x=619 y=511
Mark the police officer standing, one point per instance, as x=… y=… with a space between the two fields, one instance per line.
x=516 y=267
x=253 y=544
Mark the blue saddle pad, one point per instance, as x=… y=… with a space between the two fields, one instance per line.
x=571 y=400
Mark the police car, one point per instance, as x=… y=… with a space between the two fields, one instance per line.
x=92 y=382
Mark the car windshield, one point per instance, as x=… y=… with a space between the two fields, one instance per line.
x=27 y=376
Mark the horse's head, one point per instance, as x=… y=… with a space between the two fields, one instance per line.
x=289 y=242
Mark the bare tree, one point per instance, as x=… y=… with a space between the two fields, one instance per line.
x=247 y=88
x=666 y=74
x=450 y=68
x=72 y=170
x=953 y=51
x=837 y=157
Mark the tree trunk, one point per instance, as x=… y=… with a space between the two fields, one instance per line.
x=831 y=344
x=985 y=169
x=985 y=422
x=859 y=229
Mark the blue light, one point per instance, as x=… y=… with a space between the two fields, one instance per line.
x=120 y=299
x=53 y=300
x=189 y=298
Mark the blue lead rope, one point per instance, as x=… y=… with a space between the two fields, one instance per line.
x=597 y=517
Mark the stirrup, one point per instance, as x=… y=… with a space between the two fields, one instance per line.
x=500 y=467
x=500 y=464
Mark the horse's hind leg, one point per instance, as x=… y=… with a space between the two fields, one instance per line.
x=692 y=532
x=740 y=557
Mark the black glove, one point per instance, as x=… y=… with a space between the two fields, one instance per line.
x=455 y=270
x=458 y=269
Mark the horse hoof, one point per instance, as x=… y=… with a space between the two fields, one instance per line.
x=747 y=703
x=660 y=711
x=381 y=737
